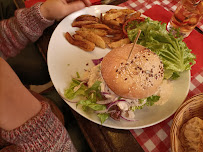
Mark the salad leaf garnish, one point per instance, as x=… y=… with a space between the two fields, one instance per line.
x=78 y=75
x=89 y=96
x=94 y=92
x=150 y=102
x=89 y=104
x=71 y=94
x=173 y=52
x=152 y=99
x=103 y=117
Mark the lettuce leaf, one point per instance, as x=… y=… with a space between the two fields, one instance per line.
x=89 y=96
x=71 y=94
x=89 y=104
x=150 y=102
x=173 y=52
x=103 y=117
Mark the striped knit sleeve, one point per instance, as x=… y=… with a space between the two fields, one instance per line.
x=26 y=26
x=44 y=132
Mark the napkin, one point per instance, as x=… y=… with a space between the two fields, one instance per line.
x=29 y=3
x=194 y=41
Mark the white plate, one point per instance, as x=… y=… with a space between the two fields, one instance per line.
x=64 y=60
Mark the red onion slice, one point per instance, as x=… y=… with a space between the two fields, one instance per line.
x=114 y=103
x=97 y=61
x=127 y=118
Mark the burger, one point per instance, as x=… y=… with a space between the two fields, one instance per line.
x=125 y=80
x=133 y=76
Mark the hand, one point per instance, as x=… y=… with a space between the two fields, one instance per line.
x=58 y=9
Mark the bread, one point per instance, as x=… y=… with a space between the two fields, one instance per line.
x=134 y=78
x=191 y=135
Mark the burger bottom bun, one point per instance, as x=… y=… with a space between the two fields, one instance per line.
x=135 y=78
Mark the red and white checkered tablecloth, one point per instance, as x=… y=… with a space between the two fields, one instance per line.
x=143 y=5
x=157 y=138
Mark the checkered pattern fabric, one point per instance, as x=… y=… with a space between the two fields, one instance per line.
x=196 y=85
x=143 y=5
x=157 y=138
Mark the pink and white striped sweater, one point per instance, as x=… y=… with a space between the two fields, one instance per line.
x=44 y=132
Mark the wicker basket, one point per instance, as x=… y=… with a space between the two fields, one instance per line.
x=189 y=109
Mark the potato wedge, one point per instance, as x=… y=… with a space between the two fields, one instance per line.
x=97 y=26
x=99 y=32
x=114 y=31
x=117 y=37
x=119 y=43
x=90 y=44
x=125 y=11
x=87 y=18
x=112 y=11
x=92 y=37
x=69 y=38
x=107 y=40
x=78 y=37
x=121 y=19
x=111 y=16
x=83 y=44
x=135 y=15
x=81 y=23
x=111 y=22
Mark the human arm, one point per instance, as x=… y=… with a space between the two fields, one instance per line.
x=29 y=23
x=17 y=104
x=26 y=123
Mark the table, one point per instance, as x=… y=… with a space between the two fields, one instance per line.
x=106 y=139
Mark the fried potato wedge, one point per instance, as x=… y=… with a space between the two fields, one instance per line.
x=97 y=26
x=111 y=22
x=83 y=44
x=111 y=16
x=127 y=11
x=134 y=15
x=121 y=19
x=87 y=18
x=107 y=40
x=99 y=32
x=92 y=37
x=81 y=23
x=84 y=20
x=114 y=31
x=117 y=37
x=119 y=43
x=124 y=11
x=78 y=37
x=90 y=44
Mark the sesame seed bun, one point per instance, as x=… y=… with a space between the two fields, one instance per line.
x=135 y=78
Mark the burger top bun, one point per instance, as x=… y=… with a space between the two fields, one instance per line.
x=135 y=78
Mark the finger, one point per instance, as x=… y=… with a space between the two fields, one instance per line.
x=87 y=2
x=74 y=6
